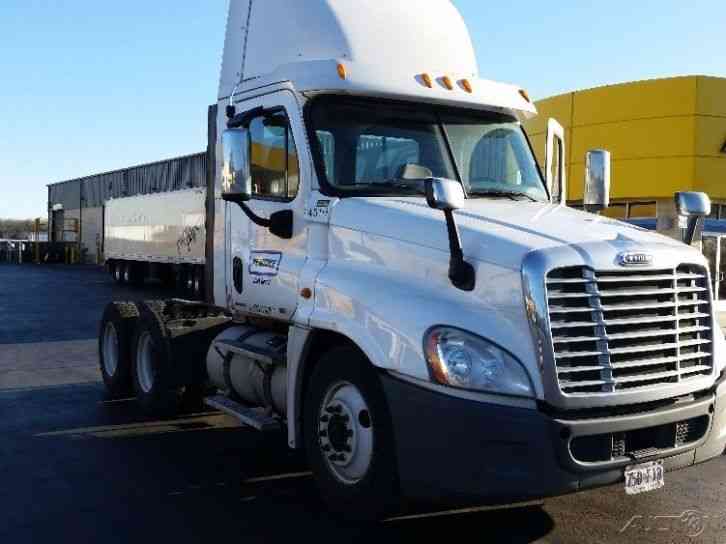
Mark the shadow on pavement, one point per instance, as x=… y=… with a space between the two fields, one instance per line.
x=107 y=473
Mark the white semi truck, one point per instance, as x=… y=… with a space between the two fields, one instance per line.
x=158 y=235
x=399 y=287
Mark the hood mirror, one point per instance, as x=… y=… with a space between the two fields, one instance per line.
x=691 y=208
x=444 y=194
x=447 y=195
x=596 y=196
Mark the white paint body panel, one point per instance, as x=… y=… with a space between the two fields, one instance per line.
x=385 y=47
x=385 y=283
x=272 y=265
x=161 y=227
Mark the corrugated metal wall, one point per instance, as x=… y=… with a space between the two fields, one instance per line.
x=163 y=176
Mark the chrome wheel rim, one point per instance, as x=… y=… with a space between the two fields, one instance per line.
x=145 y=362
x=110 y=349
x=345 y=432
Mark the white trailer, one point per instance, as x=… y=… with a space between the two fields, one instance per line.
x=401 y=290
x=160 y=234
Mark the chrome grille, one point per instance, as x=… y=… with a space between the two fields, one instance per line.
x=619 y=330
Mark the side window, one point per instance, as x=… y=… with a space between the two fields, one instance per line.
x=273 y=158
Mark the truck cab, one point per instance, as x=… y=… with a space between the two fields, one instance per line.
x=404 y=288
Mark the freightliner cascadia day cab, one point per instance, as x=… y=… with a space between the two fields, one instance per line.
x=395 y=286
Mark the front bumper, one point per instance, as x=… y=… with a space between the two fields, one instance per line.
x=452 y=449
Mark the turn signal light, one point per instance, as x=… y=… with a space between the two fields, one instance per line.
x=427 y=80
x=341 y=71
x=466 y=84
x=446 y=80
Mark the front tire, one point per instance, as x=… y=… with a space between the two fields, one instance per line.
x=349 y=438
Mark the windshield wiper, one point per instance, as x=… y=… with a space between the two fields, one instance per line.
x=396 y=183
x=512 y=195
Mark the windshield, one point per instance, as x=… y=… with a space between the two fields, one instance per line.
x=381 y=149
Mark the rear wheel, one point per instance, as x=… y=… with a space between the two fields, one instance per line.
x=198 y=283
x=113 y=347
x=118 y=272
x=349 y=438
x=154 y=381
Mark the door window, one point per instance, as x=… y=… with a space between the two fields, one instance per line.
x=273 y=158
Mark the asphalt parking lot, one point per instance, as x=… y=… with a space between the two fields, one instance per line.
x=77 y=468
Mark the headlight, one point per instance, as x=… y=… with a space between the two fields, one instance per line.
x=461 y=359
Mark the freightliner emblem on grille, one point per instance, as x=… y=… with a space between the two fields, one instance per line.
x=635 y=259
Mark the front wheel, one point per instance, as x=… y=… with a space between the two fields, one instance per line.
x=349 y=438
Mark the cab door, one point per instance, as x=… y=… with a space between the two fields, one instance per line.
x=264 y=267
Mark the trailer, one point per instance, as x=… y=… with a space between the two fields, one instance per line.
x=159 y=235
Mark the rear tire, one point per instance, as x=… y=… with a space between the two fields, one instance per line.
x=349 y=438
x=114 y=338
x=154 y=380
x=198 y=279
x=118 y=272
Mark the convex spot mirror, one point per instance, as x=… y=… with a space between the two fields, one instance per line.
x=444 y=194
x=596 y=195
x=692 y=207
x=692 y=204
x=236 y=177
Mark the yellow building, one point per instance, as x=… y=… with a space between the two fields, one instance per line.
x=665 y=135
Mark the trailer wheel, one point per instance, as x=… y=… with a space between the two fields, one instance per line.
x=198 y=279
x=128 y=273
x=349 y=437
x=155 y=383
x=113 y=347
x=118 y=273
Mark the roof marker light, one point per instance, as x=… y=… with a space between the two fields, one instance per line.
x=427 y=80
x=466 y=84
x=341 y=71
x=525 y=95
x=446 y=80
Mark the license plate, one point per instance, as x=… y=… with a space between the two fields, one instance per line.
x=644 y=477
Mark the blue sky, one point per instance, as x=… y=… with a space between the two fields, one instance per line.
x=89 y=86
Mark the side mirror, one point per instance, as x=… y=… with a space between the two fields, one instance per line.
x=690 y=204
x=691 y=208
x=596 y=196
x=444 y=194
x=236 y=178
x=556 y=181
x=447 y=195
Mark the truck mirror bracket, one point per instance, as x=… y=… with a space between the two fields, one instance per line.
x=280 y=223
x=461 y=273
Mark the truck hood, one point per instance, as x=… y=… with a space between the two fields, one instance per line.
x=498 y=231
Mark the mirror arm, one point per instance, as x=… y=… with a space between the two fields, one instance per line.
x=256 y=219
x=691 y=228
x=461 y=273
x=280 y=222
